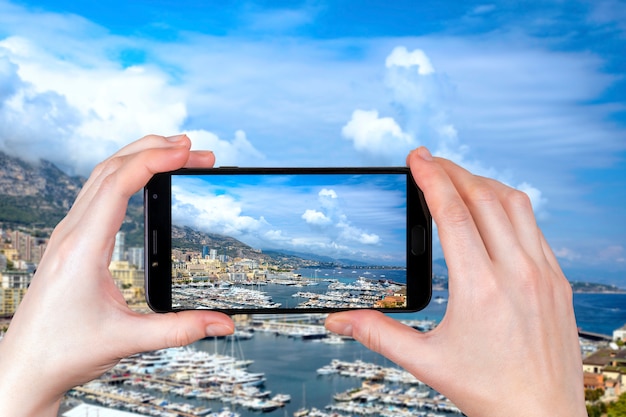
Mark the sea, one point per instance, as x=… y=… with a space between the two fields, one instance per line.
x=290 y=364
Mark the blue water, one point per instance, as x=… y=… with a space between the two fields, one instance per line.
x=347 y=275
x=290 y=365
x=600 y=313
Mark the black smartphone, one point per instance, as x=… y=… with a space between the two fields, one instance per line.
x=285 y=240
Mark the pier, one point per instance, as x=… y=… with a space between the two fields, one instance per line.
x=135 y=403
x=597 y=337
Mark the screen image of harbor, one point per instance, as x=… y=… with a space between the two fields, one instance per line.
x=313 y=241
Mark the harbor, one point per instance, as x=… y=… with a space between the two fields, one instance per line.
x=234 y=377
x=324 y=375
x=288 y=290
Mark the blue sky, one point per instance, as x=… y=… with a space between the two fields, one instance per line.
x=531 y=93
x=356 y=217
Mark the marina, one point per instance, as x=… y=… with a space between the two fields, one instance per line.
x=213 y=378
x=316 y=372
x=291 y=291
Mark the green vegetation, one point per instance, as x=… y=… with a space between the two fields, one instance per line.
x=617 y=409
x=28 y=210
x=595 y=407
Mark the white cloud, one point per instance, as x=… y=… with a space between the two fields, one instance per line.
x=350 y=233
x=369 y=239
x=502 y=104
x=239 y=151
x=421 y=95
x=612 y=253
x=325 y=192
x=536 y=198
x=76 y=116
x=315 y=217
x=378 y=136
x=401 y=57
x=566 y=253
x=218 y=214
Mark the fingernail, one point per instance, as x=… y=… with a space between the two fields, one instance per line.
x=218 y=329
x=424 y=153
x=175 y=138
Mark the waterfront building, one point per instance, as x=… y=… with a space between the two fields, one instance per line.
x=620 y=334
x=609 y=365
x=391 y=301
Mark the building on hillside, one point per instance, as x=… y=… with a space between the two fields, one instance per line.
x=119 y=249
x=128 y=278
x=136 y=257
x=610 y=364
x=620 y=334
x=13 y=286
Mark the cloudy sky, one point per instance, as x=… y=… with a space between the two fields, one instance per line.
x=531 y=93
x=356 y=217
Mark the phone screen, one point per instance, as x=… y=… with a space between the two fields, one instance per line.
x=297 y=241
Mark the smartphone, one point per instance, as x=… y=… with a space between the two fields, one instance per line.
x=287 y=240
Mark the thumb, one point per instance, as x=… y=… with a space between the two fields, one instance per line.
x=396 y=341
x=160 y=331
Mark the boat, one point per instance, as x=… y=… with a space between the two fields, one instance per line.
x=440 y=300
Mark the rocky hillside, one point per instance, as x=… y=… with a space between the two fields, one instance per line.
x=35 y=195
x=38 y=196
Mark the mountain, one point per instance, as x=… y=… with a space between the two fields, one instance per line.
x=36 y=195
x=191 y=239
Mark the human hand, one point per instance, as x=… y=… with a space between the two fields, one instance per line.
x=73 y=324
x=508 y=344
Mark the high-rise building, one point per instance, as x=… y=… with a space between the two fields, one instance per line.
x=119 y=249
x=135 y=257
x=205 y=252
x=213 y=255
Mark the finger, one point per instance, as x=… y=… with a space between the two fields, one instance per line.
x=550 y=257
x=150 y=141
x=160 y=331
x=98 y=215
x=458 y=233
x=487 y=211
x=200 y=159
x=518 y=208
x=147 y=142
x=386 y=336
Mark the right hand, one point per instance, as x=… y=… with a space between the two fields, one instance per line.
x=508 y=344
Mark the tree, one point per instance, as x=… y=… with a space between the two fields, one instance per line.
x=593 y=395
x=618 y=409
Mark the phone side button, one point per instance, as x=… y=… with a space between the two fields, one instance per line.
x=154 y=242
x=418 y=240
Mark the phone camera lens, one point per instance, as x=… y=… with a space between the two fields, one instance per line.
x=155 y=196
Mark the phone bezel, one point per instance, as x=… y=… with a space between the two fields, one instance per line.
x=158 y=218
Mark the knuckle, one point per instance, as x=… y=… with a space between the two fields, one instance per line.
x=519 y=199
x=454 y=213
x=481 y=193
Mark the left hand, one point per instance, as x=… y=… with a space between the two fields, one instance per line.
x=73 y=324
